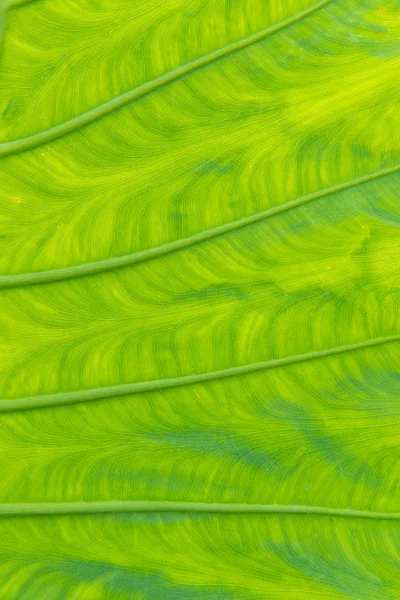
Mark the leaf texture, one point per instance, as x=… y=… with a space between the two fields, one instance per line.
x=199 y=300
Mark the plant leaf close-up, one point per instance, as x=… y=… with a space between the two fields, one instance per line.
x=199 y=300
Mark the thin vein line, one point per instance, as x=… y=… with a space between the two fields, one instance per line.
x=112 y=507
x=110 y=264
x=66 y=398
x=43 y=137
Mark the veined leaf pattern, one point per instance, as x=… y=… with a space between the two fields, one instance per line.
x=199 y=299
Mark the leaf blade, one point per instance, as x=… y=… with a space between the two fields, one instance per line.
x=264 y=350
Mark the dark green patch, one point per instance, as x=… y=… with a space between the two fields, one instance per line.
x=122 y=582
x=356 y=581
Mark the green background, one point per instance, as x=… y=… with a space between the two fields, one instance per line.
x=242 y=208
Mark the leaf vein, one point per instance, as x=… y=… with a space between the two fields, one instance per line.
x=102 y=110
x=118 y=262
x=149 y=506
x=66 y=398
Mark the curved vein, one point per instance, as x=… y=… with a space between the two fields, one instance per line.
x=112 y=507
x=65 y=398
x=101 y=266
x=38 y=139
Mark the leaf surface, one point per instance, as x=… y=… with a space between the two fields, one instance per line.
x=199 y=300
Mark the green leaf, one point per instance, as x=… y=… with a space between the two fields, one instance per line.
x=199 y=300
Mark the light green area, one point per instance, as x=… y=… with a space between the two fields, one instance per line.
x=204 y=185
